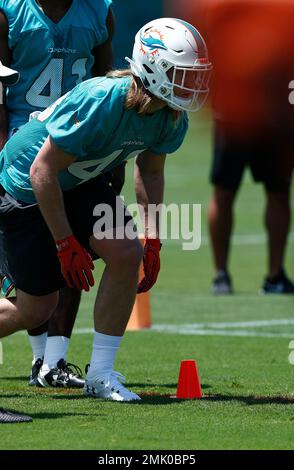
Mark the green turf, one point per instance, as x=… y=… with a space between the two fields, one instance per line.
x=247 y=381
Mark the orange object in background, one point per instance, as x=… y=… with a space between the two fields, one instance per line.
x=250 y=43
x=251 y=82
x=141 y=314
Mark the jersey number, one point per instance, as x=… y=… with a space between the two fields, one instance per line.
x=48 y=86
x=89 y=169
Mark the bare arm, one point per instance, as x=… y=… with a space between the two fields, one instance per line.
x=104 y=54
x=149 y=186
x=44 y=178
x=5 y=59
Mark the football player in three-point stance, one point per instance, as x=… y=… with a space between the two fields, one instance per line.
x=52 y=177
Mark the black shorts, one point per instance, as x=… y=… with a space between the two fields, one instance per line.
x=270 y=162
x=30 y=252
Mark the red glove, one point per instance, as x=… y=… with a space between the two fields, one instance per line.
x=76 y=263
x=151 y=264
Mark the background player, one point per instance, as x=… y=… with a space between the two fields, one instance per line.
x=253 y=126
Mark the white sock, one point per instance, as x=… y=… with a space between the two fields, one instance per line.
x=103 y=354
x=38 y=344
x=56 y=348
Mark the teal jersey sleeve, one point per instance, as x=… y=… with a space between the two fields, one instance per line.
x=173 y=137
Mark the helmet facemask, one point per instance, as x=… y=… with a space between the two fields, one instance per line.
x=186 y=88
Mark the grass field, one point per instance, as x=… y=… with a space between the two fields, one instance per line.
x=241 y=344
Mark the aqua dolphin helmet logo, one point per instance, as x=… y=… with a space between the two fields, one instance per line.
x=149 y=40
x=153 y=43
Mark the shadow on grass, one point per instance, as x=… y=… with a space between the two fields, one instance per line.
x=48 y=415
x=20 y=394
x=54 y=415
x=252 y=399
x=46 y=392
x=130 y=385
x=19 y=378
x=166 y=399
x=155 y=398
x=147 y=385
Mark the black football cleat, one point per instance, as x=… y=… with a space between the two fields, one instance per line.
x=33 y=379
x=280 y=284
x=64 y=375
x=222 y=284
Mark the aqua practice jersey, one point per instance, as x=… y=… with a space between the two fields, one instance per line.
x=52 y=58
x=91 y=123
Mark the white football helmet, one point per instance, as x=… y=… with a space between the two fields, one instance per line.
x=170 y=57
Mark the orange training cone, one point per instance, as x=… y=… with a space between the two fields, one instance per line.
x=189 y=384
x=140 y=317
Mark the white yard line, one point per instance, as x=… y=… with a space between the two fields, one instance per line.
x=244 y=324
x=184 y=330
x=219 y=329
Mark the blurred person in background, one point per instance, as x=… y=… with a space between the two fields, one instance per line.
x=251 y=46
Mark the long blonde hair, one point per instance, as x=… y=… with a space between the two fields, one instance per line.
x=138 y=97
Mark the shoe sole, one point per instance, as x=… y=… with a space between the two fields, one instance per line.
x=87 y=394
